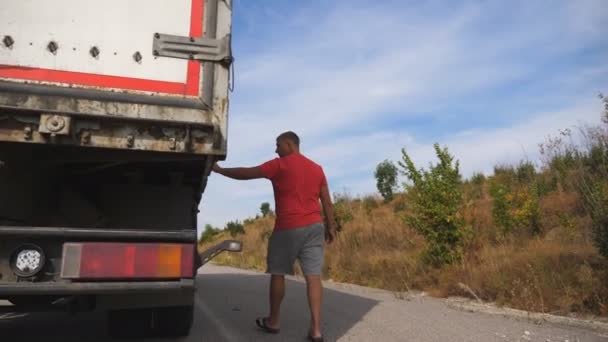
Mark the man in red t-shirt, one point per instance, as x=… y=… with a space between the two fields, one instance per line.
x=299 y=233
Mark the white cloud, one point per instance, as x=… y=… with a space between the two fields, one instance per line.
x=358 y=66
x=477 y=151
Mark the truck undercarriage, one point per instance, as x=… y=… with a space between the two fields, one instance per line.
x=53 y=196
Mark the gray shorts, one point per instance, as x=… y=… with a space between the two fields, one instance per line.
x=304 y=244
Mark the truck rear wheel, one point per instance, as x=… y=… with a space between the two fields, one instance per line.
x=174 y=321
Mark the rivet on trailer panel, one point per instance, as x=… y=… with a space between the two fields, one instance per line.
x=8 y=41
x=52 y=47
x=94 y=52
x=137 y=57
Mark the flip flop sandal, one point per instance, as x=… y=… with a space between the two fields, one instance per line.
x=261 y=323
x=315 y=339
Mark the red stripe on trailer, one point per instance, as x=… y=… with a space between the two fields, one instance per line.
x=104 y=81
x=196 y=30
x=190 y=88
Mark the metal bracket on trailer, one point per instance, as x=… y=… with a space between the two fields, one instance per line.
x=226 y=245
x=200 y=49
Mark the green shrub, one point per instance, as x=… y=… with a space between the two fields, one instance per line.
x=386 y=179
x=526 y=172
x=594 y=194
x=478 y=178
x=436 y=198
x=515 y=208
x=265 y=209
x=475 y=185
x=343 y=211
x=208 y=233
x=584 y=167
x=501 y=207
x=235 y=228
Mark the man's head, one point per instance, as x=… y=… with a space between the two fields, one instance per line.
x=287 y=143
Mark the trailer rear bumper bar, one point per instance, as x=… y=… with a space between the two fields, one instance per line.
x=100 y=234
x=96 y=288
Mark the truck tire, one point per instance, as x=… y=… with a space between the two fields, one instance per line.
x=174 y=321
x=131 y=322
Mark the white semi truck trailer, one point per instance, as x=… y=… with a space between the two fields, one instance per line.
x=112 y=114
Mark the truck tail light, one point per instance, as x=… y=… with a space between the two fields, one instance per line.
x=108 y=260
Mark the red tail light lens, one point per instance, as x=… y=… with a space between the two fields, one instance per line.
x=104 y=260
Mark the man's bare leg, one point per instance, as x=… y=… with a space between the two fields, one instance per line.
x=315 y=292
x=277 y=292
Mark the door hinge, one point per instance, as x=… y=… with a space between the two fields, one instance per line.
x=194 y=48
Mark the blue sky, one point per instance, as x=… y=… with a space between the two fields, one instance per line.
x=359 y=80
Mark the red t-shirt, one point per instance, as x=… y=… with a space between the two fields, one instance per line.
x=297 y=182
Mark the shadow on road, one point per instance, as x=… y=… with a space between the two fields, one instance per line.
x=52 y=327
x=237 y=299
x=227 y=306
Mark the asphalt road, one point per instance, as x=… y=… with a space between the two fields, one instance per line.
x=228 y=301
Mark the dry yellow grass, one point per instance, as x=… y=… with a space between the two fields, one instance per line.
x=558 y=271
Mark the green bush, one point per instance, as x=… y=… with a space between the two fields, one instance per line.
x=436 y=199
x=526 y=172
x=584 y=168
x=515 y=208
x=235 y=228
x=343 y=211
x=546 y=183
x=478 y=178
x=475 y=185
x=265 y=209
x=386 y=179
x=592 y=182
x=501 y=207
x=594 y=193
x=527 y=209
x=595 y=196
x=208 y=233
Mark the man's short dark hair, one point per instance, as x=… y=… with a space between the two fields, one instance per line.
x=291 y=136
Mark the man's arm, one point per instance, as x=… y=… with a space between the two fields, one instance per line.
x=240 y=173
x=328 y=209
